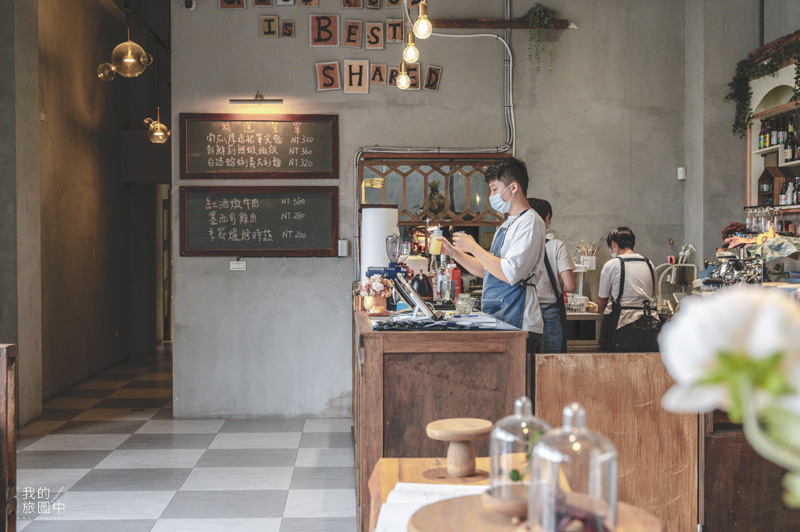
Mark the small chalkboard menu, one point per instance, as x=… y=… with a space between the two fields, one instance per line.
x=234 y=146
x=259 y=221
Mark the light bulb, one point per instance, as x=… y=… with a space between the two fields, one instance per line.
x=403 y=80
x=129 y=59
x=423 y=27
x=411 y=52
x=158 y=133
x=106 y=72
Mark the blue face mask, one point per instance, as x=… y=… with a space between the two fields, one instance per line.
x=499 y=204
x=613 y=255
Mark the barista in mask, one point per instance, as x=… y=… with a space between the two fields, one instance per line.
x=511 y=268
x=629 y=279
x=553 y=284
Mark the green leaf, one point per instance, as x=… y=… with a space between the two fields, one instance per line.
x=791 y=482
x=783 y=426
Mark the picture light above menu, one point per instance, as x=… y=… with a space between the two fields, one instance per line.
x=236 y=146
x=259 y=221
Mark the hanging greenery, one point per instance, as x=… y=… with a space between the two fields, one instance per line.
x=539 y=19
x=739 y=88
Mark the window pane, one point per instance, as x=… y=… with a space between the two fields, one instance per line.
x=415 y=191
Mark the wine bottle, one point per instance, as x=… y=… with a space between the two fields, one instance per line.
x=790 y=146
x=762 y=135
x=773 y=132
x=782 y=131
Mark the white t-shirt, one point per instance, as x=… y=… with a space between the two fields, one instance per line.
x=638 y=287
x=522 y=254
x=560 y=261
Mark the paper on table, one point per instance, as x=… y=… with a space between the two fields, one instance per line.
x=412 y=493
x=406 y=498
x=395 y=517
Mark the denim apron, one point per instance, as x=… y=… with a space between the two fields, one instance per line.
x=562 y=308
x=504 y=301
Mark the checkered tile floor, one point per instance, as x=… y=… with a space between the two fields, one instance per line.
x=107 y=455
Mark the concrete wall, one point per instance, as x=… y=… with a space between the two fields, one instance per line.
x=29 y=226
x=85 y=276
x=602 y=135
x=721 y=35
x=8 y=178
x=781 y=17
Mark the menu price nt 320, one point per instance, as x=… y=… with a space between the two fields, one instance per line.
x=259 y=221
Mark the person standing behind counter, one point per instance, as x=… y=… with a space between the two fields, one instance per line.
x=512 y=267
x=551 y=287
x=632 y=325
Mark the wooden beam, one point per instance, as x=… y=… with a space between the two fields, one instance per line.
x=485 y=23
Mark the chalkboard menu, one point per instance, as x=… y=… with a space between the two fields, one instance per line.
x=234 y=146
x=259 y=221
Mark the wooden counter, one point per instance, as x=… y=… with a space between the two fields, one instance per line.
x=404 y=380
x=621 y=393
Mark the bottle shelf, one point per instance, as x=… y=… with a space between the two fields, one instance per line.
x=779 y=150
x=764 y=151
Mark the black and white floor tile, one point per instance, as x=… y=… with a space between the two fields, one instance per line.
x=107 y=455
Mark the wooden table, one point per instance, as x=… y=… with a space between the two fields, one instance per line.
x=389 y=471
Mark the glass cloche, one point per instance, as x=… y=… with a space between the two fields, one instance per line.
x=574 y=479
x=510 y=446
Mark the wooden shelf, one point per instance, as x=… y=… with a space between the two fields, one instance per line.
x=796 y=162
x=763 y=151
x=484 y=23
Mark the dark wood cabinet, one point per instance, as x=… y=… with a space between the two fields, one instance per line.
x=8 y=435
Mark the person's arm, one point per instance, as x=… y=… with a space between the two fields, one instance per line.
x=567 y=281
x=604 y=290
x=465 y=244
x=470 y=263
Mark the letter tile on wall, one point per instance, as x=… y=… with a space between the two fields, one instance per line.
x=353 y=32
x=394 y=30
x=356 y=76
x=377 y=75
x=269 y=26
x=309 y=3
x=373 y=4
x=374 y=36
x=287 y=28
x=391 y=80
x=352 y=4
x=284 y=2
x=413 y=73
x=262 y=3
x=328 y=76
x=324 y=31
x=433 y=76
x=232 y=4
x=394 y=3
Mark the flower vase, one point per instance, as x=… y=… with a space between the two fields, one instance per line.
x=371 y=302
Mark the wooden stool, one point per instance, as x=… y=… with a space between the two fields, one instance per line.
x=460 y=432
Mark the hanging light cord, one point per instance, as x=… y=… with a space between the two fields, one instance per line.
x=128 y=11
x=508 y=111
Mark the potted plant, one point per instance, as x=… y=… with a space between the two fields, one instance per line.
x=374 y=291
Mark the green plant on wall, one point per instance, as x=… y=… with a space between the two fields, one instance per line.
x=739 y=87
x=539 y=19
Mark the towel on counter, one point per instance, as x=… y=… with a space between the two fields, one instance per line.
x=775 y=248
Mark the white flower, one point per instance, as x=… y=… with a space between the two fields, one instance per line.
x=377 y=287
x=753 y=322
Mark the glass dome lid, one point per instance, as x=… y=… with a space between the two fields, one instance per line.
x=510 y=446
x=574 y=478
